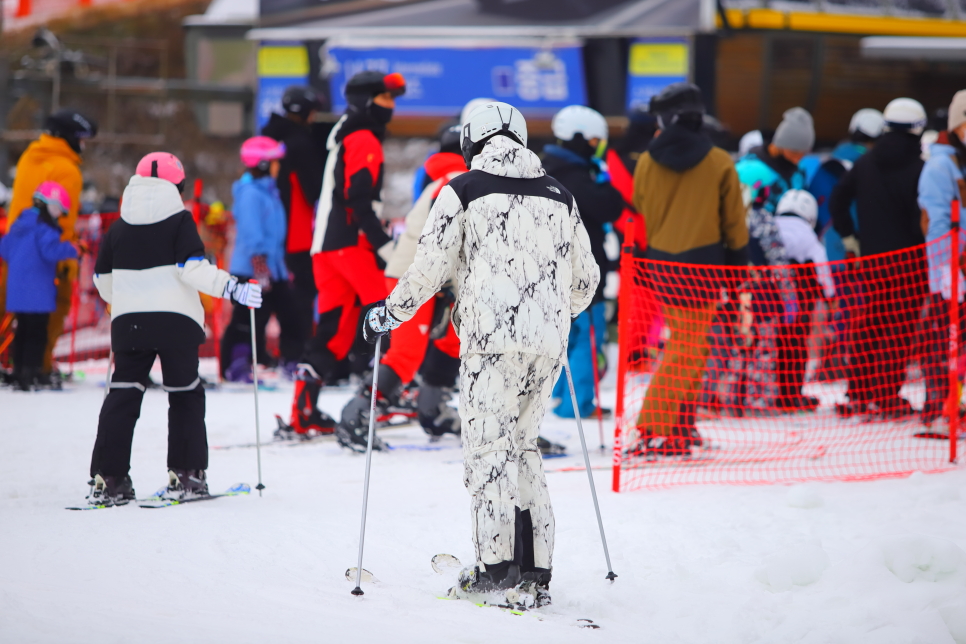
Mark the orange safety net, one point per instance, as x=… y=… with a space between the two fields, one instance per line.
x=840 y=371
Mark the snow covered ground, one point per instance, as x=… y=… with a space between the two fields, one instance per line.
x=874 y=562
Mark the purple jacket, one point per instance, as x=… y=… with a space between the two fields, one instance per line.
x=32 y=249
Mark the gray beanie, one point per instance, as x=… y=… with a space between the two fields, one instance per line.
x=796 y=131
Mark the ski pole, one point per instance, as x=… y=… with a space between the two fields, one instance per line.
x=258 y=433
x=365 y=493
x=590 y=472
x=593 y=359
x=107 y=378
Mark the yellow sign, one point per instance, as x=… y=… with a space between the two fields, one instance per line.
x=283 y=62
x=659 y=59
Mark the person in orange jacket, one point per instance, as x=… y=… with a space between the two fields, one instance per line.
x=55 y=156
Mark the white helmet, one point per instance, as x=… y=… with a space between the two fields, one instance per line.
x=577 y=119
x=801 y=203
x=750 y=141
x=868 y=121
x=472 y=105
x=905 y=114
x=487 y=120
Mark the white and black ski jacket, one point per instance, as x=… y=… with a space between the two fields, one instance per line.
x=512 y=238
x=151 y=267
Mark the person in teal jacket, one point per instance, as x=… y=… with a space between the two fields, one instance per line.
x=259 y=254
x=768 y=172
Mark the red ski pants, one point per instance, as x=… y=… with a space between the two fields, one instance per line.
x=345 y=278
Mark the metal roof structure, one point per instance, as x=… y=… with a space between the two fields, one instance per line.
x=464 y=18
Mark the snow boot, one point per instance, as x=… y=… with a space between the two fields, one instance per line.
x=240 y=367
x=488 y=578
x=185 y=484
x=406 y=403
x=435 y=416
x=111 y=490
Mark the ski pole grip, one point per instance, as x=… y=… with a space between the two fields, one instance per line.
x=252 y=281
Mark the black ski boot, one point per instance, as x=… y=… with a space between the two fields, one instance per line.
x=111 y=490
x=537 y=585
x=548 y=448
x=488 y=578
x=353 y=430
x=185 y=484
x=435 y=416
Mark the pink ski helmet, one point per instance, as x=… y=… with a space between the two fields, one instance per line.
x=260 y=151
x=162 y=165
x=55 y=196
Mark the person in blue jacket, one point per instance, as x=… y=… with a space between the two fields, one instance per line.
x=259 y=254
x=32 y=249
x=941 y=183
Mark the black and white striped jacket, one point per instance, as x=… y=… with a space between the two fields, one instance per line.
x=151 y=268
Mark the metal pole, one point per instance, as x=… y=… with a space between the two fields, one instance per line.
x=258 y=433
x=365 y=493
x=590 y=474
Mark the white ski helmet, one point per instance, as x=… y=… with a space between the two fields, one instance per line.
x=489 y=119
x=472 y=105
x=905 y=114
x=868 y=121
x=801 y=203
x=577 y=119
x=750 y=141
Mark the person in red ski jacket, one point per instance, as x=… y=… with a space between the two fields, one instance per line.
x=348 y=236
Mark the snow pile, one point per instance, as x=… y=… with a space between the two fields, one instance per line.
x=799 y=566
x=919 y=558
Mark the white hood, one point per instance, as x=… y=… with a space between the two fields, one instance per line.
x=504 y=157
x=148 y=200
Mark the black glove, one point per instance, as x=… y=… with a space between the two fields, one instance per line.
x=377 y=321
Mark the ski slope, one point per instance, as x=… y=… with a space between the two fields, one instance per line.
x=873 y=562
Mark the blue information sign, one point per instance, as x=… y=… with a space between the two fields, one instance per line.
x=441 y=80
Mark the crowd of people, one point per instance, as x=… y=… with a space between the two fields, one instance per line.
x=496 y=275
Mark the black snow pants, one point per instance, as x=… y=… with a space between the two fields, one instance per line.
x=29 y=344
x=187 y=436
x=280 y=301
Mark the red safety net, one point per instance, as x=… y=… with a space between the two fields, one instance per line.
x=838 y=371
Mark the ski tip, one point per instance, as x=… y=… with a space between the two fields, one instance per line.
x=240 y=488
x=444 y=563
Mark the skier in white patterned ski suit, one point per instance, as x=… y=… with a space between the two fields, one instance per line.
x=512 y=238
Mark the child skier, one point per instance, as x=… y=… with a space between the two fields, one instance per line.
x=150 y=269
x=512 y=239
x=32 y=249
x=259 y=253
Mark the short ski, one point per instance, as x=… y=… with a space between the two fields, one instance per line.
x=235 y=490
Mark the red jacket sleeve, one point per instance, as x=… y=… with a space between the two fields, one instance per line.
x=363 y=179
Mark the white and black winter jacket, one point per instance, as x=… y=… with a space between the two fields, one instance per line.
x=512 y=238
x=151 y=267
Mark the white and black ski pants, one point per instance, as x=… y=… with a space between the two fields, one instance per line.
x=503 y=399
x=187 y=436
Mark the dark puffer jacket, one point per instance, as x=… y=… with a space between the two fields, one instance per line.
x=885 y=186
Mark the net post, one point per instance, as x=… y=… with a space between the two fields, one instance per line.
x=954 y=395
x=624 y=312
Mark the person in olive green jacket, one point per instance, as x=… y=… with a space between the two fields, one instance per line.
x=689 y=195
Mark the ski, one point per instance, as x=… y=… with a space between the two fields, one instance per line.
x=105 y=507
x=235 y=490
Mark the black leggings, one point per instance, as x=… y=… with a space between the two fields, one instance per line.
x=29 y=344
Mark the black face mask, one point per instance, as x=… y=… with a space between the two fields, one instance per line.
x=380 y=114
